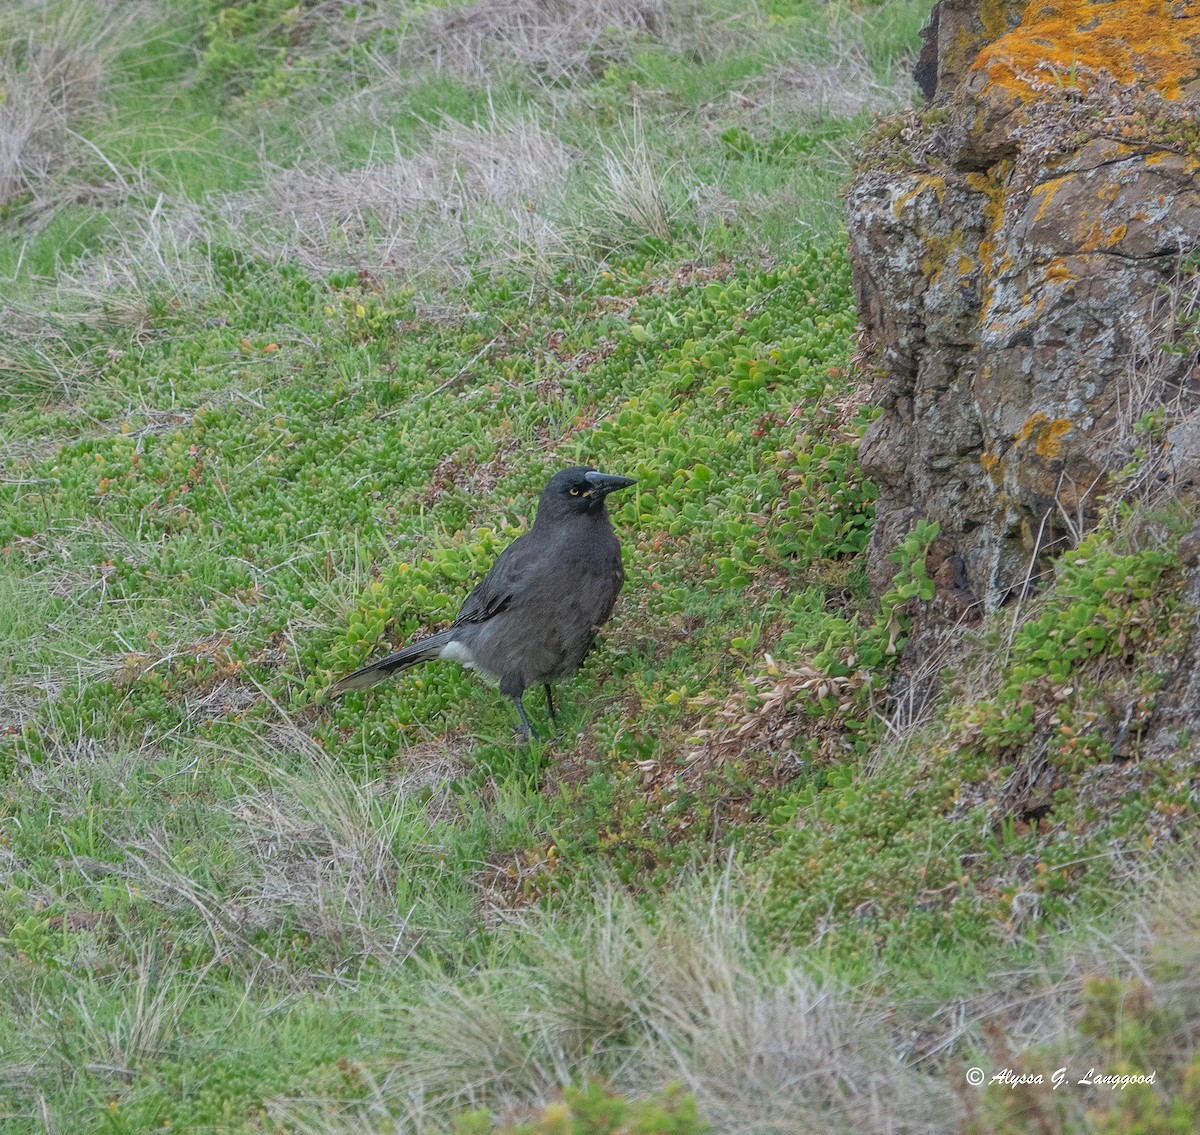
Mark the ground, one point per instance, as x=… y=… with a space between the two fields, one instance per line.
x=307 y=302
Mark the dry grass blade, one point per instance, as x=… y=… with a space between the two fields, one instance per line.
x=773 y=720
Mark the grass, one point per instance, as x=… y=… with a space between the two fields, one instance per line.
x=278 y=388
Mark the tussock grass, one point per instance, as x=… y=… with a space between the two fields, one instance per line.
x=52 y=74
x=472 y=190
x=1110 y=999
x=336 y=853
x=775 y=1045
x=447 y=192
x=557 y=40
x=842 y=87
x=505 y=195
x=59 y=68
x=152 y=255
x=683 y=996
x=633 y=194
x=107 y=1029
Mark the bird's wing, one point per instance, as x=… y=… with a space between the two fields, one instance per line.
x=509 y=575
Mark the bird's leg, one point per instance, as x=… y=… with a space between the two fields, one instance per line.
x=549 y=703
x=526 y=730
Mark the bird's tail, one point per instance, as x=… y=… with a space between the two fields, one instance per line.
x=411 y=655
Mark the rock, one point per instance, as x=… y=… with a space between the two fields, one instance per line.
x=956 y=32
x=1189 y=549
x=1183 y=456
x=1012 y=248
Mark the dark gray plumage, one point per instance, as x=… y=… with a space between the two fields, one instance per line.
x=537 y=612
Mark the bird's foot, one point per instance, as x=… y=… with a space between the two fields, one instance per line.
x=525 y=731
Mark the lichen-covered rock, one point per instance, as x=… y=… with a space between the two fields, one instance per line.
x=1010 y=248
x=956 y=32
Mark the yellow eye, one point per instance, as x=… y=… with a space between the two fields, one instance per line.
x=574 y=492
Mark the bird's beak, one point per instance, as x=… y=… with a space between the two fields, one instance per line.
x=605 y=483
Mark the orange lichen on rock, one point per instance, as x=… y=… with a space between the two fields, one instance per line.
x=1068 y=156
x=1152 y=42
x=992 y=186
x=1159 y=157
x=922 y=182
x=1057 y=272
x=1096 y=237
x=1047 y=434
x=1031 y=423
x=1049 y=442
x=993 y=15
x=1046 y=191
x=942 y=251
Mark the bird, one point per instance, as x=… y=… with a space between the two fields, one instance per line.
x=536 y=613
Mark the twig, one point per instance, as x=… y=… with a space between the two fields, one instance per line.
x=445 y=385
x=1037 y=546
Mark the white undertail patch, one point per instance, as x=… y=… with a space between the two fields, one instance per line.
x=457 y=652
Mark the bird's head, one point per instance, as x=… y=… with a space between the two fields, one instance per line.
x=578 y=491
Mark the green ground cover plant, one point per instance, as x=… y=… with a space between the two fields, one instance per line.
x=304 y=303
